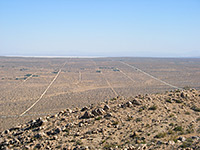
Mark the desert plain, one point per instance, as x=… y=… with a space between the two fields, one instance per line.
x=35 y=87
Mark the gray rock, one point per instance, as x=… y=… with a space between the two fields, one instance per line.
x=106 y=107
x=94 y=112
x=181 y=138
x=84 y=108
x=68 y=110
x=36 y=123
x=183 y=95
x=100 y=111
x=13 y=129
x=54 y=131
x=69 y=125
x=38 y=146
x=159 y=142
x=6 y=132
x=17 y=133
x=108 y=115
x=129 y=104
x=77 y=134
x=195 y=137
x=170 y=143
x=87 y=115
x=80 y=124
x=38 y=136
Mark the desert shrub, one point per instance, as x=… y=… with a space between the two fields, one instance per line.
x=160 y=135
x=177 y=100
x=170 y=131
x=109 y=146
x=147 y=125
x=187 y=113
x=58 y=147
x=195 y=108
x=98 y=118
x=129 y=118
x=113 y=99
x=148 y=134
x=154 y=107
x=115 y=123
x=198 y=119
x=178 y=128
x=142 y=108
x=79 y=142
x=168 y=100
x=138 y=119
x=66 y=130
x=186 y=143
x=171 y=115
x=189 y=131
x=198 y=130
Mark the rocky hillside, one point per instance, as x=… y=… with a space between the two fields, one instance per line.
x=158 y=121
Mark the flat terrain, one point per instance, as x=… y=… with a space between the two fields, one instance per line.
x=33 y=87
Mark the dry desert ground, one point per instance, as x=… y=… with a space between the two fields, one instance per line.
x=36 y=87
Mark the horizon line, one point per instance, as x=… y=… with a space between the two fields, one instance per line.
x=41 y=56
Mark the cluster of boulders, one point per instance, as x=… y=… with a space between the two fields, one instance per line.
x=95 y=112
x=152 y=121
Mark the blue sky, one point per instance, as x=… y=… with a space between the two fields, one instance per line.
x=150 y=28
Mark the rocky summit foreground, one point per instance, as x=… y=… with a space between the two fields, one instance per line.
x=158 y=121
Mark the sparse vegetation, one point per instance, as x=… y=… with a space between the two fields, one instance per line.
x=138 y=119
x=171 y=115
x=98 y=71
x=178 y=128
x=198 y=119
x=168 y=100
x=160 y=135
x=154 y=107
x=121 y=122
x=187 y=113
x=109 y=145
x=115 y=123
x=79 y=142
x=195 y=108
x=187 y=143
x=177 y=100
x=98 y=118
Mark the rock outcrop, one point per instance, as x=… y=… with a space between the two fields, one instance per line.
x=158 y=121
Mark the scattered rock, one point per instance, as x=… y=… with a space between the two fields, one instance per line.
x=182 y=139
x=84 y=108
x=136 y=102
x=129 y=104
x=106 y=107
x=87 y=115
x=108 y=126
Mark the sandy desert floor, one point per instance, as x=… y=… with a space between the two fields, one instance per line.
x=34 y=87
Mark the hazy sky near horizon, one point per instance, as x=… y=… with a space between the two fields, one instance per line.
x=167 y=28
